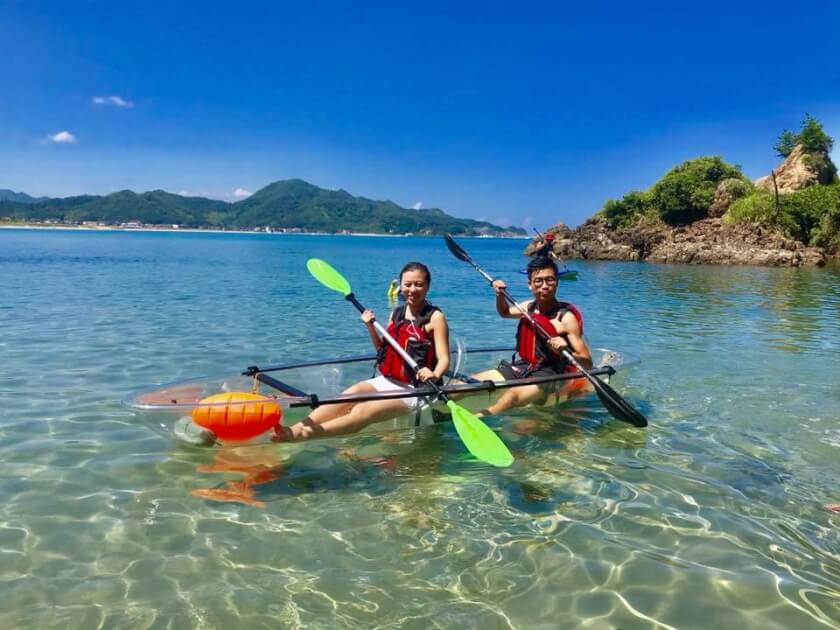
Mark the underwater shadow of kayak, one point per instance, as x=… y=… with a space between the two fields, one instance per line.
x=268 y=476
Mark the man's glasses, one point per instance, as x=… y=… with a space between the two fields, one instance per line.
x=538 y=282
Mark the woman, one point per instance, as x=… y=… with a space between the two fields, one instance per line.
x=421 y=329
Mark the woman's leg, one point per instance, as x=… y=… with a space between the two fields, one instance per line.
x=356 y=419
x=328 y=412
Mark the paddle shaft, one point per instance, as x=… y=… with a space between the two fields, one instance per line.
x=393 y=343
x=514 y=303
x=615 y=404
x=538 y=328
x=479 y=439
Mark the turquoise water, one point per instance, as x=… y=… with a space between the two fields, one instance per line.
x=712 y=517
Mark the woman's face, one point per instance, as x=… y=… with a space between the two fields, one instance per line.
x=414 y=285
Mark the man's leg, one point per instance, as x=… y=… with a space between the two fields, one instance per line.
x=514 y=397
x=487 y=375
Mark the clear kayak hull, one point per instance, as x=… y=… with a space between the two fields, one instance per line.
x=296 y=388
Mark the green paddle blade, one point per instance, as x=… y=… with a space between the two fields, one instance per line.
x=329 y=277
x=479 y=439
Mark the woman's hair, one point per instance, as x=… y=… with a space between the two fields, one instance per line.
x=417 y=266
x=538 y=264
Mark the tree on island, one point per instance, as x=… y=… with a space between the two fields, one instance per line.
x=811 y=136
x=809 y=210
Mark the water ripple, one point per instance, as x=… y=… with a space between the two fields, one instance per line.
x=712 y=517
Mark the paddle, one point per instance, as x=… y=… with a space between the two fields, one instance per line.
x=479 y=439
x=614 y=403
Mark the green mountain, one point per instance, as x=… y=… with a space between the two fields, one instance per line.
x=155 y=207
x=287 y=204
x=11 y=195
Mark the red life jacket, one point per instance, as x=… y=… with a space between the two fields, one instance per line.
x=531 y=346
x=412 y=337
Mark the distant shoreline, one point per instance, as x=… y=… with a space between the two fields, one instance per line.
x=113 y=228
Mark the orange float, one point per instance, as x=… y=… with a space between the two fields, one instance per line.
x=576 y=386
x=237 y=416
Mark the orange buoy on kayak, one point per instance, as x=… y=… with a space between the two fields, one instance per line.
x=237 y=416
x=576 y=385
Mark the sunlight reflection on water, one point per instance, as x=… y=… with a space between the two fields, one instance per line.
x=711 y=517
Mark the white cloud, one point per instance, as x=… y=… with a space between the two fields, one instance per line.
x=241 y=193
x=62 y=137
x=417 y=205
x=116 y=101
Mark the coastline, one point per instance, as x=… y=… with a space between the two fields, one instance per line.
x=114 y=228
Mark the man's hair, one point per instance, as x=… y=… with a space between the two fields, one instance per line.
x=417 y=266
x=538 y=264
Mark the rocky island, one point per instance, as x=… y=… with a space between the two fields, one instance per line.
x=705 y=211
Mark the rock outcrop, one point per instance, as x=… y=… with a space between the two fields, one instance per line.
x=705 y=242
x=710 y=241
x=799 y=170
x=727 y=192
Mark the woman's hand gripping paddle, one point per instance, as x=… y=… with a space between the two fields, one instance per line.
x=479 y=439
x=612 y=401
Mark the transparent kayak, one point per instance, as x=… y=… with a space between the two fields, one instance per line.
x=298 y=387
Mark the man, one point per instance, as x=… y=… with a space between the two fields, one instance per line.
x=536 y=355
x=544 y=248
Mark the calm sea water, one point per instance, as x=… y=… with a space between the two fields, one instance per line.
x=712 y=517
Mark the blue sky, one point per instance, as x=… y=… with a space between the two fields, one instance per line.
x=527 y=113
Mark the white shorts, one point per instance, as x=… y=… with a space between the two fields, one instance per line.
x=383 y=384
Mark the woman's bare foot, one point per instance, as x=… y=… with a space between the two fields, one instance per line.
x=283 y=434
x=303 y=430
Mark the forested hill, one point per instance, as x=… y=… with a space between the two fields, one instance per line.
x=11 y=195
x=287 y=204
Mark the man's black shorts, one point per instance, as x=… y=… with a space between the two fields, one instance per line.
x=520 y=369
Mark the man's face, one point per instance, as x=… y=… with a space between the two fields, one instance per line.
x=543 y=283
